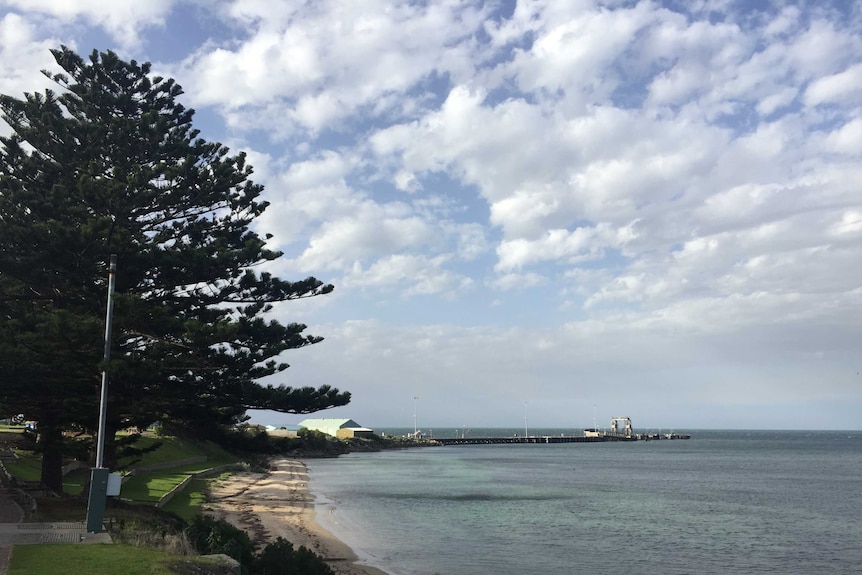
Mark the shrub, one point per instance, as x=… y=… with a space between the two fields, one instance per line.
x=210 y=536
x=280 y=558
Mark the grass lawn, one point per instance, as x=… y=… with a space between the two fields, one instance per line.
x=190 y=500
x=151 y=486
x=28 y=466
x=174 y=449
x=146 y=489
x=60 y=559
x=74 y=481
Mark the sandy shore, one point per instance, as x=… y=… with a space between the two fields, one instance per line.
x=279 y=504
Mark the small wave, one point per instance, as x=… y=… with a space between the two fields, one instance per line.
x=467 y=497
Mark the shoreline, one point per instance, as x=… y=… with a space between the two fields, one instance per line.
x=278 y=503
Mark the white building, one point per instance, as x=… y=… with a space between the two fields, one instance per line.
x=340 y=428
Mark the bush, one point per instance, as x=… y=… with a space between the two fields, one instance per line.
x=280 y=558
x=210 y=536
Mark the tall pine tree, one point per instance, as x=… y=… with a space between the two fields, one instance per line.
x=110 y=164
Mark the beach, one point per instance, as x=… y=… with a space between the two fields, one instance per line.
x=278 y=503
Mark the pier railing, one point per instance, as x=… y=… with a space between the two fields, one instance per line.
x=602 y=438
x=528 y=439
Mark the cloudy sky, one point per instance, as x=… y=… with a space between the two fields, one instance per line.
x=544 y=210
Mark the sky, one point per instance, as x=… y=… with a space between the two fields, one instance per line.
x=538 y=212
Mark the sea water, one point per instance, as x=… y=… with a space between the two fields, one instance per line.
x=721 y=502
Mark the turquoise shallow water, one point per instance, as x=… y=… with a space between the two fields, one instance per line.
x=721 y=502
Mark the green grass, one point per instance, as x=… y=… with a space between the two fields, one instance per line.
x=28 y=466
x=61 y=559
x=150 y=487
x=190 y=500
x=74 y=481
x=174 y=449
x=146 y=488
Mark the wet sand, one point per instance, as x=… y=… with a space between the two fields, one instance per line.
x=279 y=504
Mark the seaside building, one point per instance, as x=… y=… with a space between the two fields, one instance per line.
x=340 y=428
x=282 y=431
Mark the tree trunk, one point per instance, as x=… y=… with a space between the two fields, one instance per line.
x=50 y=444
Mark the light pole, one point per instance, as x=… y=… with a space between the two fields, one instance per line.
x=99 y=475
x=415 y=428
x=596 y=429
x=525 y=420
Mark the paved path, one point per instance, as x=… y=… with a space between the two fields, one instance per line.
x=14 y=532
x=10 y=511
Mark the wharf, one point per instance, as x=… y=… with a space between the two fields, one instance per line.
x=529 y=439
x=601 y=437
x=592 y=435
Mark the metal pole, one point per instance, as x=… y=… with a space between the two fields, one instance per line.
x=525 y=420
x=99 y=476
x=415 y=429
x=103 y=403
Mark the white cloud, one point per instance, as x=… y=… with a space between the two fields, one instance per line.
x=847 y=139
x=515 y=281
x=775 y=101
x=580 y=245
x=471 y=240
x=417 y=275
x=304 y=195
x=850 y=223
x=372 y=230
x=574 y=50
x=842 y=88
x=661 y=193
x=24 y=54
x=325 y=61
x=124 y=21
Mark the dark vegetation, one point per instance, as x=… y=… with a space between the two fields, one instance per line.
x=216 y=536
x=107 y=164
x=110 y=164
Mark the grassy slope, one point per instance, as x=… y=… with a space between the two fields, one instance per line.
x=86 y=559
x=147 y=488
x=174 y=449
x=27 y=467
x=190 y=500
x=61 y=559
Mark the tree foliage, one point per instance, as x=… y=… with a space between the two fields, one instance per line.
x=111 y=164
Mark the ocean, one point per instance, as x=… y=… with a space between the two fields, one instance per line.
x=723 y=502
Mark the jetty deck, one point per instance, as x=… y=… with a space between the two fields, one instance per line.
x=529 y=439
x=602 y=438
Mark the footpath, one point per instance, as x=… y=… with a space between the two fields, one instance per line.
x=14 y=531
